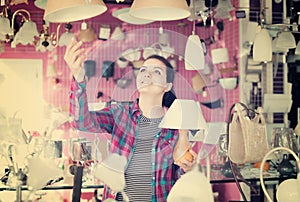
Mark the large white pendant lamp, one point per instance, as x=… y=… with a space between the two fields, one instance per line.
x=194 y=54
x=262 y=47
x=160 y=10
x=73 y=10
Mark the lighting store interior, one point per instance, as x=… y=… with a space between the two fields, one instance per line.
x=236 y=78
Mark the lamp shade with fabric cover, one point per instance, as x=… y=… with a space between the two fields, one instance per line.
x=73 y=10
x=159 y=10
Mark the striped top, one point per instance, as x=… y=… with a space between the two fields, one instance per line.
x=139 y=172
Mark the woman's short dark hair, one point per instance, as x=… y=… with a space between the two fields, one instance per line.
x=169 y=96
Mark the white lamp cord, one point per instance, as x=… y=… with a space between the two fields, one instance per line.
x=263 y=163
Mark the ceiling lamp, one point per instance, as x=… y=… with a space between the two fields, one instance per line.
x=286 y=40
x=159 y=10
x=66 y=37
x=262 y=47
x=123 y=15
x=73 y=10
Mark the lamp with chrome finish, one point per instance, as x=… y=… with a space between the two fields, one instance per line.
x=288 y=190
x=73 y=10
x=159 y=10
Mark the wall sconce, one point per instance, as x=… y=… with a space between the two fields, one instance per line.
x=66 y=37
x=28 y=31
x=158 y=10
x=73 y=10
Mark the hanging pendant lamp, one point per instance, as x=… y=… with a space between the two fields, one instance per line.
x=160 y=10
x=73 y=10
x=262 y=47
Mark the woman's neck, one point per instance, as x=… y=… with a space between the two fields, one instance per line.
x=151 y=105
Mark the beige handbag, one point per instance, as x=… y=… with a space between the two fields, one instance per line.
x=247 y=135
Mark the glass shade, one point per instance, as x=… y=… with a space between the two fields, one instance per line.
x=159 y=10
x=262 y=47
x=65 y=38
x=111 y=171
x=286 y=40
x=118 y=34
x=26 y=34
x=73 y=10
x=184 y=114
x=194 y=55
x=5 y=25
x=219 y=55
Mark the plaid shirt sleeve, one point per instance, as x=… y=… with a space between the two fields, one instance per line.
x=96 y=122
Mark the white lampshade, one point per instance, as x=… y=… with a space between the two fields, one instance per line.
x=297 y=50
x=223 y=9
x=40 y=4
x=65 y=38
x=194 y=54
x=276 y=49
x=5 y=25
x=37 y=177
x=192 y=186
x=118 y=34
x=286 y=40
x=184 y=114
x=123 y=15
x=159 y=10
x=111 y=171
x=26 y=34
x=219 y=55
x=288 y=190
x=251 y=31
x=73 y=10
x=262 y=47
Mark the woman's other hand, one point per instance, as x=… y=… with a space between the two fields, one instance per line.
x=74 y=57
x=186 y=164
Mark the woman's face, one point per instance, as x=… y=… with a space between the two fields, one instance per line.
x=153 y=73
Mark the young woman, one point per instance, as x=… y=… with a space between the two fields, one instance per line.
x=150 y=171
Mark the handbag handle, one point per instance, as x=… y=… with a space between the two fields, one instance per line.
x=235 y=171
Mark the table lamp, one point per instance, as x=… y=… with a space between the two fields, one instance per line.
x=288 y=190
x=183 y=114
